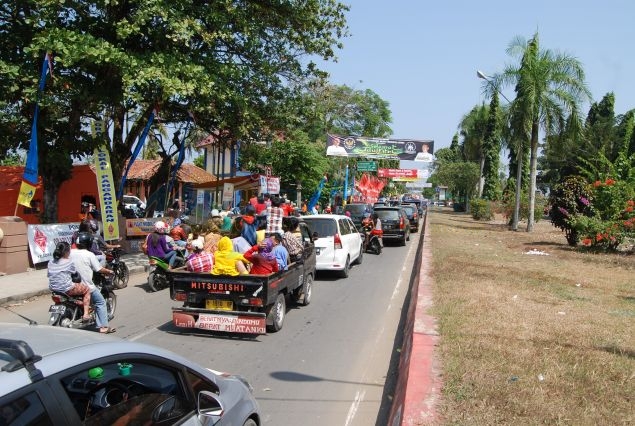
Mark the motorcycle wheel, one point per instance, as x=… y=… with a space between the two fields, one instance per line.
x=111 y=304
x=156 y=281
x=376 y=247
x=121 y=276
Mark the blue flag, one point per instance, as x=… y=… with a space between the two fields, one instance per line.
x=316 y=196
x=31 y=169
x=135 y=153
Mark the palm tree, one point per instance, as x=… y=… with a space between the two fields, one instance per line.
x=473 y=128
x=549 y=86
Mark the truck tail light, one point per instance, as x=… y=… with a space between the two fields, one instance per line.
x=401 y=223
x=180 y=296
x=252 y=301
x=337 y=241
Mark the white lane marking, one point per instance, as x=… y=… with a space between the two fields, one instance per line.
x=359 y=397
x=354 y=406
x=143 y=334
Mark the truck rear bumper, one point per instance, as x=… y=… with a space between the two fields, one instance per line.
x=227 y=321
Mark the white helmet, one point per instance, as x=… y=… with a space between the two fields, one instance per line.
x=161 y=227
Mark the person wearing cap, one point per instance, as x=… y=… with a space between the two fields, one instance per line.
x=199 y=260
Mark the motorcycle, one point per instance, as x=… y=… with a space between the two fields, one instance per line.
x=371 y=242
x=67 y=310
x=121 y=273
x=157 y=277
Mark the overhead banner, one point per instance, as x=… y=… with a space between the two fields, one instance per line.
x=401 y=173
x=389 y=149
x=269 y=185
x=107 y=199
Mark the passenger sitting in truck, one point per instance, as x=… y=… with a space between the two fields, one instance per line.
x=290 y=239
x=281 y=253
x=227 y=261
x=199 y=261
x=263 y=261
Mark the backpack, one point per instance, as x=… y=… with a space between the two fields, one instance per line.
x=248 y=231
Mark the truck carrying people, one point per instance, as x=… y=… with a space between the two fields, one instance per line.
x=243 y=303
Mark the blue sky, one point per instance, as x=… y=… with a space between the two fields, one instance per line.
x=422 y=56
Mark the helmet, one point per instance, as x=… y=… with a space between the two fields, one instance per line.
x=161 y=227
x=215 y=213
x=366 y=215
x=84 y=240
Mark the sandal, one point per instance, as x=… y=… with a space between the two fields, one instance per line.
x=108 y=330
x=86 y=319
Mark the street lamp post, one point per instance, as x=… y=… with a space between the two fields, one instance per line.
x=519 y=158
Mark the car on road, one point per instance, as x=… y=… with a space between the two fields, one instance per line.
x=413 y=216
x=357 y=211
x=338 y=243
x=394 y=223
x=59 y=376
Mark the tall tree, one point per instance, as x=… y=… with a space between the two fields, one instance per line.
x=491 y=152
x=473 y=128
x=232 y=65
x=548 y=85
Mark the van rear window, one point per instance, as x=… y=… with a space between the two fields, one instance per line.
x=388 y=214
x=323 y=227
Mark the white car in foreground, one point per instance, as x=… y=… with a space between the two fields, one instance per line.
x=338 y=243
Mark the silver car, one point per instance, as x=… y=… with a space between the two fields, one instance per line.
x=57 y=376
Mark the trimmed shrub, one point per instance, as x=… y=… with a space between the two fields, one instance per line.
x=481 y=209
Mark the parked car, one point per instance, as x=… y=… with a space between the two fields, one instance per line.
x=357 y=211
x=413 y=216
x=133 y=202
x=60 y=376
x=338 y=244
x=394 y=223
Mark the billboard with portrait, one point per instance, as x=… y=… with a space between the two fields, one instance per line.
x=389 y=149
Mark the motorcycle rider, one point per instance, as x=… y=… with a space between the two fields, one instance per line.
x=158 y=246
x=86 y=263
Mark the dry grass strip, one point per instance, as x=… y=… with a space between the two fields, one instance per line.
x=528 y=338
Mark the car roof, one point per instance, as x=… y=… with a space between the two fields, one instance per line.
x=62 y=348
x=325 y=216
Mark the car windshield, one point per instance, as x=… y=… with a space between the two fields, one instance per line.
x=392 y=214
x=323 y=226
x=358 y=209
x=410 y=210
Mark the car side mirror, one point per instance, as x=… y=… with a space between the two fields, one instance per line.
x=208 y=405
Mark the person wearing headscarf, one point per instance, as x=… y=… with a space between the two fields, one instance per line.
x=262 y=258
x=227 y=261
x=212 y=237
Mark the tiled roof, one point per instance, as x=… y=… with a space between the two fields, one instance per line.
x=188 y=173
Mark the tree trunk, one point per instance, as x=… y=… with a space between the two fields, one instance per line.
x=519 y=177
x=533 y=162
x=481 y=181
x=51 y=189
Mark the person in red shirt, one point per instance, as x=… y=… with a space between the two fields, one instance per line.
x=260 y=205
x=200 y=261
x=263 y=261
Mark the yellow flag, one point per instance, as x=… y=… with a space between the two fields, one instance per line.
x=27 y=191
x=107 y=192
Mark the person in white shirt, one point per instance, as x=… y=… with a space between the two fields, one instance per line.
x=86 y=262
x=336 y=149
x=424 y=155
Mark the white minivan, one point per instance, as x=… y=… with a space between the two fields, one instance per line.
x=338 y=243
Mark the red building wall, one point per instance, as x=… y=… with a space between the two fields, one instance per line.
x=69 y=198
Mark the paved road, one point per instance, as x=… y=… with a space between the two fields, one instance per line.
x=329 y=363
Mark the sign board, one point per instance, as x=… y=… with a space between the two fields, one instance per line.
x=269 y=185
x=143 y=226
x=390 y=149
x=44 y=238
x=366 y=166
x=228 y=192
x=418 y=184
x=200 y=197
